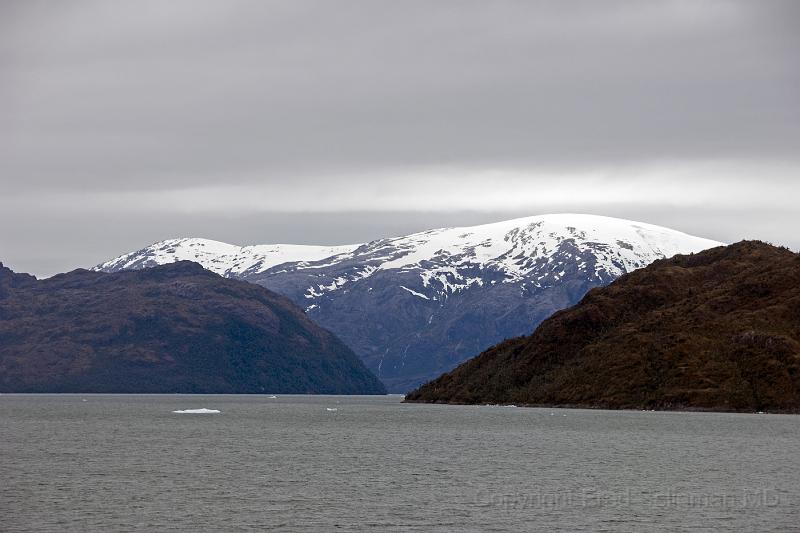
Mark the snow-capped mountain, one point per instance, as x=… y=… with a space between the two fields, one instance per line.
x=416 y=306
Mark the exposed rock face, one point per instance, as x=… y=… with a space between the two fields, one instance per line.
x=174 y=328
x=416 y=306
x=717 y=330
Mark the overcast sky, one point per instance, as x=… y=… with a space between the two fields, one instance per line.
x=124 y=123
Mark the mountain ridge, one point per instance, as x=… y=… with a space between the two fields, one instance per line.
x=417 y=305
x=216 y=255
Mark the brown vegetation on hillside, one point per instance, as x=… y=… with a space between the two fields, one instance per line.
x=716 y=330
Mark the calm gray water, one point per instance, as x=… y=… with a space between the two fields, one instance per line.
x=127 y=463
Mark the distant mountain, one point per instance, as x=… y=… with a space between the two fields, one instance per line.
x=414 y=307
x=173 y=328
x=717 y=330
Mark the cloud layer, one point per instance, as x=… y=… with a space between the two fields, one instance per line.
x=216 y=117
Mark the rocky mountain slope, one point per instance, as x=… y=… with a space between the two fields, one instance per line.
x=173 y=328
x=415 y=306
x=717 y=330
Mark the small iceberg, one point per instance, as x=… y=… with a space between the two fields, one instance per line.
x=331 y=409
x=202 y=411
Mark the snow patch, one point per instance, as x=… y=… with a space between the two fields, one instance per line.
x=415 y=293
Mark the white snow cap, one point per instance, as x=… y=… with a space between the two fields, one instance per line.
x=618 y=246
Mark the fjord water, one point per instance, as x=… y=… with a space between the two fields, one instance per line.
x=332 y=463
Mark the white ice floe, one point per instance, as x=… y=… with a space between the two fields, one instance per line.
x=202 y=411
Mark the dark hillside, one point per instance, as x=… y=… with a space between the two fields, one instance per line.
x=173 y=328
x=715 y=330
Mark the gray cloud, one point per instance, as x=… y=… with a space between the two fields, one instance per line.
x=155 y=119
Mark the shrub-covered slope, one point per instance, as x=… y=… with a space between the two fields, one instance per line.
x=715 y=330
